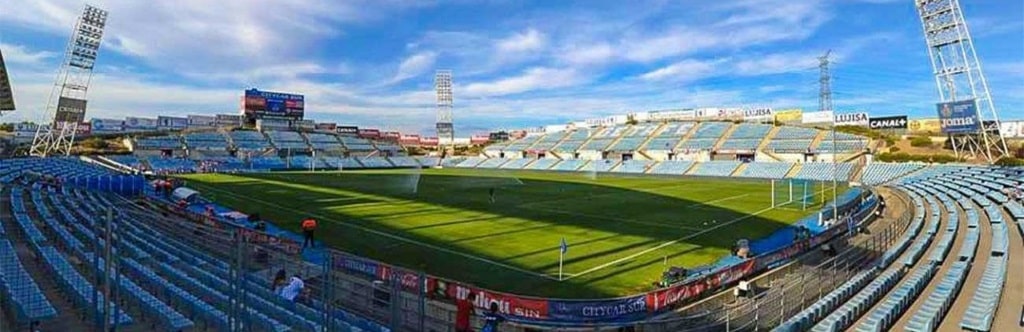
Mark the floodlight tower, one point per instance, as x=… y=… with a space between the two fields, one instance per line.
x=959 y=78
x=65 y=108
x=443 y=87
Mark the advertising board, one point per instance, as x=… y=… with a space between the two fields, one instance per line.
x=959 y=117
x=326 y=126
x=757 y=114
x=1012 y=129
x=171 y=123
x=201 y=121
x=139 y=124
x=70 y=110
x=348 y=130
x=818 y=117
x=107 y=125
x=852 y=119
x=889 y=122
x=229 y=120
x=789 y=115
x=924 y=126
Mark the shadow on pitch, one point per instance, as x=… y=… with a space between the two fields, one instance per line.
x=572 y=193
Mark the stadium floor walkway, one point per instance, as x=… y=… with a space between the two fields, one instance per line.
x=956 y=311
x=954 y=249
x=1008 y=315
x=898 y=264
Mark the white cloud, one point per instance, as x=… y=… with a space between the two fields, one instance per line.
x=587 y=54
x=529 y=40
x=777 y=63
x=532 y=79
x=415 y=65
x=686 y=70
x=19 y=54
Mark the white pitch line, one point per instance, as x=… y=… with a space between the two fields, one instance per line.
x=392 y=236
x=577 y=198
x=666 y=244
x=631 y=221
x=719 y=200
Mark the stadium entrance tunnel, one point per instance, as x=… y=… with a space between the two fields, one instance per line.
x=503 y=230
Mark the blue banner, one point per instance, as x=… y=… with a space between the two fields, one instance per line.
x=622 y=310
x=959 y=117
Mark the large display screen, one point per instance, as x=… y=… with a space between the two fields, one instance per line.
x=259 y=104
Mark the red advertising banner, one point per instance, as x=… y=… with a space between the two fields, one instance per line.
x=429 y=141
x=392 y=134
x=661 y=299
x=479 y=139
x=369 y=133
x=511 y=305
x=327 y=126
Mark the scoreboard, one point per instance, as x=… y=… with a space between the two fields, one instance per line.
x=258 y=104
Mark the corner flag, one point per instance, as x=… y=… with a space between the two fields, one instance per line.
x=562 y=249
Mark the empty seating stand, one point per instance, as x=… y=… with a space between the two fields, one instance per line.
x=19 y=291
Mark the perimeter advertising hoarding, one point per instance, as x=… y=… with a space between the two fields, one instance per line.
x=107 y=125
x=304 y=124
x=271 y=124
x=369 y=133
x=70 y=110
x=139 y=124
x=410 y=140
x=924 y=126
x=429 y=141
x=228 y=120
x=1012 y=129
x=818 y=117
x=391 y=135
x=83 y=129
x=671 y=115
x=624 y=309
x=201 y=121
x=326 y=126
x=256 y=104
x=348 y=130
x=171 y=123
x=516 y=307
x=959 y=117
x=479 y=139
x=789 y=116
x=852 y=119
x=757 y=114
x=889 y=122
x=6 y=96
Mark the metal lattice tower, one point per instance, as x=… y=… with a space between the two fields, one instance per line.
x=443 y=87
x=958 y=75
x=65 y=108
x=825 y=82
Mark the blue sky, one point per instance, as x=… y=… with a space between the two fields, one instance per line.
x=515 y=63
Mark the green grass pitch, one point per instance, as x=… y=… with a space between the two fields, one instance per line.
x=621 y=230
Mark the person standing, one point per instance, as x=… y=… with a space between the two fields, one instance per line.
x=463 y=310
x=492 y=319
x=491 y=194
x=308 y=228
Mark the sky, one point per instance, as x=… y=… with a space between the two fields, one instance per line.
x=515 y=64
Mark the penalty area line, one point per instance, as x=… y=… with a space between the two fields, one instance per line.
x=387 y=235
x=718 y=200
x=666 y=244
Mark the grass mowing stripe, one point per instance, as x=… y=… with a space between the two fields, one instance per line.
x=450 y=209
x=620 y=260
x=391 y=236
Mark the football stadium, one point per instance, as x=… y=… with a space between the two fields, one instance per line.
x=696 y=218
